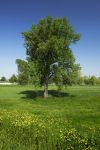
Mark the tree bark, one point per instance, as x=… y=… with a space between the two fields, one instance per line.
x=46 y=87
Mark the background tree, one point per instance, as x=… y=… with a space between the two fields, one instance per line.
x=26 y=73
x=93 y=80
x=98 y=81
x=86 y=80
x=89 y=80
x=13 y=79
x=47 y=44
x=23 y=71
x=3 y=79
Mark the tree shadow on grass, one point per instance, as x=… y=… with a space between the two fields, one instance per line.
x=30 y=94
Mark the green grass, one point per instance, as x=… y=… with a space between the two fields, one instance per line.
x=68 y=119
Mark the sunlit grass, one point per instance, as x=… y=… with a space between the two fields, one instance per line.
x=69 y=119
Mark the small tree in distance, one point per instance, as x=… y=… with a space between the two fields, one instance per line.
x=48 y=47
x=23 y=71
x=13 y=79
x=3 y=79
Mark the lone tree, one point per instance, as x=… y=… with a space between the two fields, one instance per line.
x=47 y=44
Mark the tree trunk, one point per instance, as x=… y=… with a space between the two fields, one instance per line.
x=46 y=87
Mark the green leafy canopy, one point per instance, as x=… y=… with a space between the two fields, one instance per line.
x=48 y=47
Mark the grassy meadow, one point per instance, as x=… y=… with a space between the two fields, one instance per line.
x=67 y=120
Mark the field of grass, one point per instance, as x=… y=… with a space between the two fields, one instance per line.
x=67 y=120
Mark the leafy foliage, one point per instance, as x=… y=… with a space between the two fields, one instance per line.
x=48 y=47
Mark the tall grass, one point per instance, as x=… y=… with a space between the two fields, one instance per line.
x=69 y=119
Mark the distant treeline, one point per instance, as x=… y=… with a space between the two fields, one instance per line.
x=27 y=75
x=24 y=79
x=87 y=80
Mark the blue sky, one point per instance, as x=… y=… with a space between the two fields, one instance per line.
x=17 y=16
